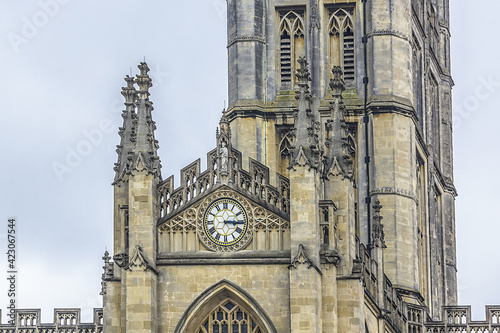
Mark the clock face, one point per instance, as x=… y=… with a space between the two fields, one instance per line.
x=225 y=222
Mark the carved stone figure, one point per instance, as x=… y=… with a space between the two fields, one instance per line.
x=224 y=157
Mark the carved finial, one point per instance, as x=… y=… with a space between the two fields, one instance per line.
x=106 y=257
x=338 y=157
x=223 y=134
x=378 y=236
x=303 y=74
x=224 y=122
x=337 y=82
x=143 y=81
x=129 y=91
x=143 y=67
x=108 y=272
x=306 y=148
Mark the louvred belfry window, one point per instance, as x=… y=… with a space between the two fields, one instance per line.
x=229 y=317
x=291 y=32
x=342 y=46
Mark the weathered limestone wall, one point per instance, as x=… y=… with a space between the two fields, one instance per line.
x=179 y=286
x=143 y=215
x=351 y=307
x=141 y=302
x=112 y=304
x=305 y=281
x=329 y=299
x=140 y=281
x=393 y=182
x=389 y=25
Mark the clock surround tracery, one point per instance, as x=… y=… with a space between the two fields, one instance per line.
x=184 y=232
x=207 y=203
x=225 y=222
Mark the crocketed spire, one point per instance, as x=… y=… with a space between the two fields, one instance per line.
x=306 y=148
x=337 y=160
x=138 y=149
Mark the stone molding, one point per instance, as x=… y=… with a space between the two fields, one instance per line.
x=394 y=191
x=388 y=33
x=240 y=39
x=302 y=258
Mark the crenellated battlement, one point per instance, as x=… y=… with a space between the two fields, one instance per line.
x=65 y=321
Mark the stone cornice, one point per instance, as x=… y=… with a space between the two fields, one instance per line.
x=229 y=258
x=393 y=33
x=240 y=39
x=388 y=190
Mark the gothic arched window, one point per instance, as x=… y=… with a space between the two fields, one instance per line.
x=229 y=317
x=225 y=308
x=341 y=32
x=292 y=46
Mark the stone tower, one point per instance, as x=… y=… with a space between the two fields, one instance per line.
x=395 y=59
x=328 y=201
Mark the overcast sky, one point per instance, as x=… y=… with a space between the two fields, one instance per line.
x=62 y=68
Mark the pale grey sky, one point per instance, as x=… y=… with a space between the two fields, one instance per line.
x=62 y=67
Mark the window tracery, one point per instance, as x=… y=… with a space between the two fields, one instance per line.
x=341 y=33
x=229 y=317
x=292 y=45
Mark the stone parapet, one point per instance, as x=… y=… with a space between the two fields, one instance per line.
x=65 y=321
x=459 y=319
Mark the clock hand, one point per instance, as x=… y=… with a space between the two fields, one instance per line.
x=235 y=222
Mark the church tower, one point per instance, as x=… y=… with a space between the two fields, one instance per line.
x=327 y=204
x=394 y=57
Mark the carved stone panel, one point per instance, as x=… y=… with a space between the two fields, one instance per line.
x=260 y=229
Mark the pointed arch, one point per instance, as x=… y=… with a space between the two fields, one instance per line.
x=215 y=300
x=341 y=32
x=292 y=45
